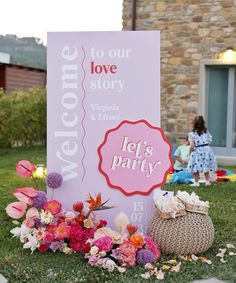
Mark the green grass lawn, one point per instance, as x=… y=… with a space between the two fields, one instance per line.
x=18 y=265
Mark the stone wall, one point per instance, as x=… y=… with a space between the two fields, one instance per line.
x=191 y=30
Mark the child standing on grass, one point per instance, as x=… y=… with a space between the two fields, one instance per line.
x=202 y=159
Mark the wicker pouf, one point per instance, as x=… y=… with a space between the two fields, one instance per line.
x=190 y=234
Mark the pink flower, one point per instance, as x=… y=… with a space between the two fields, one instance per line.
x=25 y=169
x=75 y=231
x=152 y=246
x=62 y=231
x=16 y=209
x=104 y=244
x=127 y=253
x=53 y=206
x=93 y=259
x=25 y=194
x=30 y=217
x=48 y=238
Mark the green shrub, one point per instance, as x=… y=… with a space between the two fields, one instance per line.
x=23 y=118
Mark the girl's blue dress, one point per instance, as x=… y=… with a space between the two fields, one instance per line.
x=202 y=159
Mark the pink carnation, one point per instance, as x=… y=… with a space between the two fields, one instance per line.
x=152 y=246
x=62 y=231
x=127 y=253
x=79 y=237
x=48 y=238
x=104 y=244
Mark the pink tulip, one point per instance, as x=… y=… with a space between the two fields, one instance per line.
x=16 y=209
x=25 y=169
x=25 y=194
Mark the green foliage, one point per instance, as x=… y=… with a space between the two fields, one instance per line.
x=23 y=118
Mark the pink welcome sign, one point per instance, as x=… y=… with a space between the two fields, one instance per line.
x=96 y=80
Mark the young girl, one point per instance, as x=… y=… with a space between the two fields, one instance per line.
x=201 y=159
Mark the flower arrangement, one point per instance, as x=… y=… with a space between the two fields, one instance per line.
x=47 y=226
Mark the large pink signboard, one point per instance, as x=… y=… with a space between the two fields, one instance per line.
x=103 y=110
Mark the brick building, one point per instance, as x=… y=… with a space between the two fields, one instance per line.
x=14 y=77
x=198 y=64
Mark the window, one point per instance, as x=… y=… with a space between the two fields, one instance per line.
x=217 y=102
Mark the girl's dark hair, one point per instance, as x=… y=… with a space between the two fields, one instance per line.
x=199 y=125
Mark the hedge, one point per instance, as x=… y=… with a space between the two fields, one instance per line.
x=23 y=118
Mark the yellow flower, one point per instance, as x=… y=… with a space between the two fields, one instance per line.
x=165 y=267
x=65 y=249
x=88 y=223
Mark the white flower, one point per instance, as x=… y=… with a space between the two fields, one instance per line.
x=230 y=246
x=16 y=232
x=148 y=266
x=121 y=269
x=146 y=275
x=121 y=220
x=109 y=264
x=94 y=250
x=176 y=268
x=222 y=260
x=88 y=223
x=232 y=253
x=160 y=275
x=32 y=243
x=21 y=232
x=207 y=261
x=102 y=253
x=46 y=217
x=194 y=257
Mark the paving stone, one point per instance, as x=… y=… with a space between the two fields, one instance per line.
x=3 y=279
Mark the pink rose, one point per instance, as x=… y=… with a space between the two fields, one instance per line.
x=104 y=244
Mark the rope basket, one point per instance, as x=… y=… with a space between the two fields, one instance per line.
x=190 y=234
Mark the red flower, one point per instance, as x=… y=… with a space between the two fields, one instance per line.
x=87 y=247
x=43 y=248
x=52 y=206
x=51 y=228
x=75 y=231
x=102 y=223
x=25 y=168
x=78 y=206
x=79 y=237
x=80 y=219
x=131 y=228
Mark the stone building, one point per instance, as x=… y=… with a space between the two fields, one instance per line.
x=198 y=64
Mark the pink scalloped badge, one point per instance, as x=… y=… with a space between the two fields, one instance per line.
x=135 y=157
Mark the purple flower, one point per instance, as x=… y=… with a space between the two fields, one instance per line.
x=54 y=180
x=55 y=245
x=37 y=223
x=144 y=256
x=39 y=200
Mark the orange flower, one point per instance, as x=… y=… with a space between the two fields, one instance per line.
x=94 y=202
x=137 y=240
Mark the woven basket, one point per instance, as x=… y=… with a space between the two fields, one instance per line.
x=191 y=234
x=195 y=208
x=167 y=215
